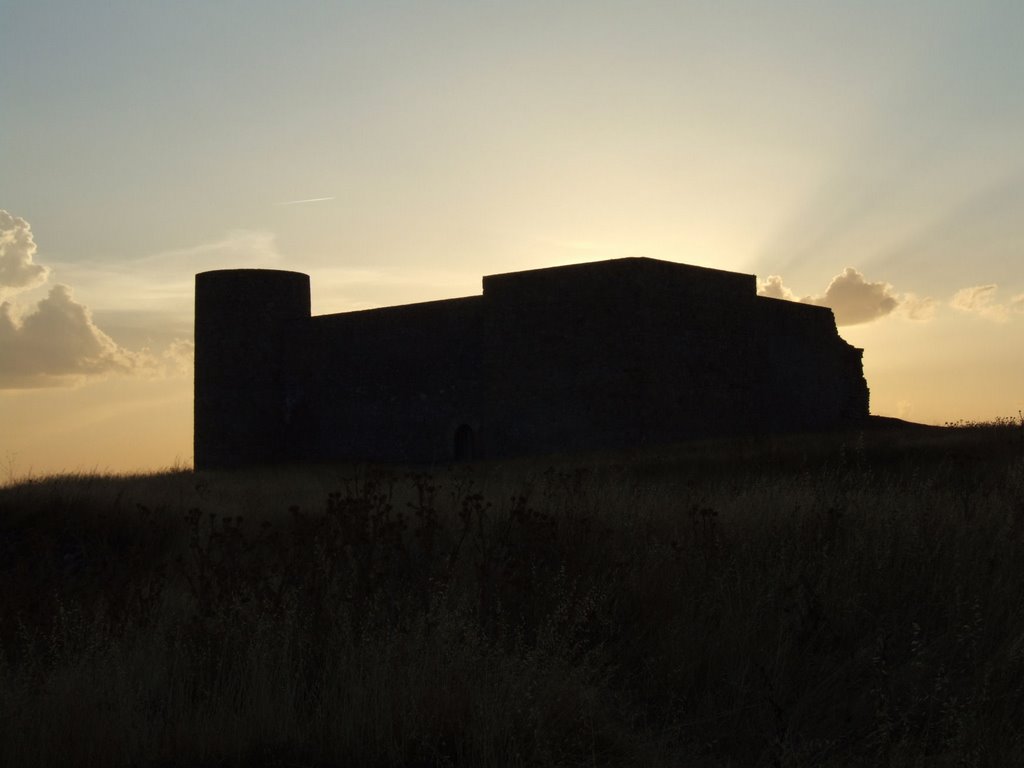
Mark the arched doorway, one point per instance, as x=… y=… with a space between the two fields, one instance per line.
x=463 y=443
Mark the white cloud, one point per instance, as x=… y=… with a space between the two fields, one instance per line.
x=978 y=299
x=305 y=200
x=18 y=271
x=773 y=288
x=56 y=343
x=240 y=248
x=913 y=307
x=981 y=300
x=855 y=300
x=165 y=281
x=174 y=362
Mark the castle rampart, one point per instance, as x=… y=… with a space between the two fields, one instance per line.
x=606 y=355
x=246 y=321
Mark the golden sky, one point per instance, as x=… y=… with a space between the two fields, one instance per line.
x=865 y=156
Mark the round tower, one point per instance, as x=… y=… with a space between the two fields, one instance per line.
x=247 y=320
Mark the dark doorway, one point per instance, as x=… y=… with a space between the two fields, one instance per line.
x=464 y=443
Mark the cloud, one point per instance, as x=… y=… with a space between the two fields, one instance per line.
x=18 y=272
x=174 y=362
x=56 y=343
x=238 y=248
x=306 y=200
x=981 y=300
x=913 y=307
x=978 y=299
x=773 y=288
x=855 y=300
x=164 y=282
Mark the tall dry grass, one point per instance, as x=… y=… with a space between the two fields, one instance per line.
x=825 y=601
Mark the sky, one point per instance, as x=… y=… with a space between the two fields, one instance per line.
x=866 y=156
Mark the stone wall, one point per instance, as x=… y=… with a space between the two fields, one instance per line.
x=608 y=355
x=246 y=321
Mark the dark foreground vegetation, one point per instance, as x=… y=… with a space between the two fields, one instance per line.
x=826 y=601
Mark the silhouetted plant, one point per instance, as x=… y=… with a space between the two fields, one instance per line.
x=855 y=606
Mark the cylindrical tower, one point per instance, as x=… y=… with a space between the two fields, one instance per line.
x=246 y=320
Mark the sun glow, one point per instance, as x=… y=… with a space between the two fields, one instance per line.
x=789 y=141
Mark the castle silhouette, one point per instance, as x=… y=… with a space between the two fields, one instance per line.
x=600 y=356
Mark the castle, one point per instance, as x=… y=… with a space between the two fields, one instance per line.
x=600 y=356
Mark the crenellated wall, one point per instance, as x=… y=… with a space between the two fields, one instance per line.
x=607 y=355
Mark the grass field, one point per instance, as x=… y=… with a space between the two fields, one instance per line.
x=832 y=600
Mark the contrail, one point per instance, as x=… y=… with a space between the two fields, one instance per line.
x=307 y=200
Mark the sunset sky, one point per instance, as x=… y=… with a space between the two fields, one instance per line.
x=866 y=155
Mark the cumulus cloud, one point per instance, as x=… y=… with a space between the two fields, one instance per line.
x=55 y=341
x=981 y=300
x=18 y=271
x=773 y=288
x=855 y=300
